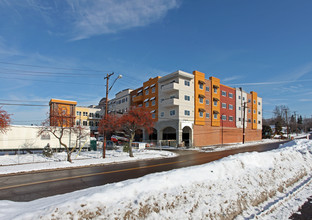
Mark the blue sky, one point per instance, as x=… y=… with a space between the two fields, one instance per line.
x=63 y=48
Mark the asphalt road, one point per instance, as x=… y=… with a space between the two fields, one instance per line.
x=31 y=186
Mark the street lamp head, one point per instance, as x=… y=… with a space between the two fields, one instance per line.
x=119 y=76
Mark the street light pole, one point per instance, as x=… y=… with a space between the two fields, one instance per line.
x=105 y=114
x=106 y=106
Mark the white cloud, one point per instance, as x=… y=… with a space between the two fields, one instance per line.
x=110 y=16
x=231 y=78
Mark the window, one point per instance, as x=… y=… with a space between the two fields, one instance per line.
x=91 y=123
x=230 y=95
x=96 y=123
x=239 y=97
x=243 y=98
x=239 y=119
x=126 y=99
x=91 y=114
x=201 y=86
x=259 y=122
x=153 y=89
x=85 y=113
x=201 y=100
x=78 y=113
x=215 y=116
x=186 y=112
x=207 y=88
x=187 y=83
x=78 y=122
x=146 y=92
x=249 y=111
x=223 y=93
x=249 y=100
x=153 y=116
x=85 y=123
x=123 y=100
x=207 y=101
x=230 y=107
x=215 y=90
x=254 y=101
x=153 y=103
x=249 y=120
x=172 y=112
x=223 y=117
x=259 y=113
x=215 y=103
x=201 y=114
x=230 y=118
x=254 y=120
x=162 y=114
x=239 y=108
x=254 y=111
x=187 y=98
x=97 y=115
x=146 y=104
x=223 y=105
x=207 y=115
x=259 y=103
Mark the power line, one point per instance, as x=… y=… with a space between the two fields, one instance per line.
x=21 y=104
x=59 y=68
x=15 y=100
x=49 y=81
x=45 y=73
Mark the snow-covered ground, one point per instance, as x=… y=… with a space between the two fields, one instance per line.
x=31 y=162
x=267 y=185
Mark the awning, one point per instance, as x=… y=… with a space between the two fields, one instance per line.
x=153 y=111
x=146 y=100
x=153 y=98
x=153 y=85
x=146 y=87
x=215 y=99
x=201 y=96
x=215 y=112
x=201 y=109
x=201 y=81
x=140 y=91
x=215 y=86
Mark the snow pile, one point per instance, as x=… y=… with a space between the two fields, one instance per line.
x=243 y=186
x=31 y=162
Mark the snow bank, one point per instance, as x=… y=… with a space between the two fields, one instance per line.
x=242 y=186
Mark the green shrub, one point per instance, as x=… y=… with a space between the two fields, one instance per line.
x=47 y=151
x=126 y=147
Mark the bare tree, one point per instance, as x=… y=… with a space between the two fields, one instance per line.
x=59 y=124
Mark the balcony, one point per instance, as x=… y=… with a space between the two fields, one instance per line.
x=170 y=102
x=138 y=98
x=170 y=87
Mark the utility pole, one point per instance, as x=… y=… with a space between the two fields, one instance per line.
x=244 y=123
x=286 y=111
x=105 y=114
x=295 y=121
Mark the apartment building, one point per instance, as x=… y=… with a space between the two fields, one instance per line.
x=176 y=107
x=64 y=110
x=121 y=103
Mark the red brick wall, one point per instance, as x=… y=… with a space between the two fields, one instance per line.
x=226 y=111
x=207 y=135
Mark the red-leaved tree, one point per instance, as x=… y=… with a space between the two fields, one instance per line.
x=134 y=119
x=4 y=120
x=108 y=124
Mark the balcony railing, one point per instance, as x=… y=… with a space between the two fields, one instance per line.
x=138 y=98
x=170 y=102
x=170 y=87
